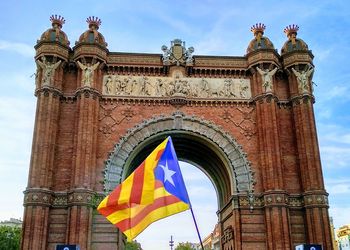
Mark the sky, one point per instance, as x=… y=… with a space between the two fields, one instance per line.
x=212 y=27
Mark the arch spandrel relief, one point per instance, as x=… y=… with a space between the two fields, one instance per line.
x=177 y=85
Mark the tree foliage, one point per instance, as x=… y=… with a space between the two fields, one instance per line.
x=134 y=245
x=184 y=246
x=10 y=238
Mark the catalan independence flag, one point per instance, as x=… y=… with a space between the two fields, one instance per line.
x=153 y=191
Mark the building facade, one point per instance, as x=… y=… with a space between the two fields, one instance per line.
x=343 y=235
x=247 y=121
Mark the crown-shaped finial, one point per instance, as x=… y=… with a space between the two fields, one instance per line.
x=259 y=27
x=57 y=19
x=290 y=29
x=93 y=21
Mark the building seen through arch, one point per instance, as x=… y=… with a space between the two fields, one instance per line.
x=246 y=121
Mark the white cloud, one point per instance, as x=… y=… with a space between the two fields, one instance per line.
x=337 y=187
x=340 y=215
x=335 y=157
x=20 y=48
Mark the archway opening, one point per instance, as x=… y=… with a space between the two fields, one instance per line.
x=195 y=150
x=204 y=201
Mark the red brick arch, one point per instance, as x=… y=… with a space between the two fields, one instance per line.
x=192 y=137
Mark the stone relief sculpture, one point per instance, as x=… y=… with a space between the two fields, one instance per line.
x=243 y=89
x=266 y=76
x=109 y=85
x=88 y=73
x=303 y=79
x=176 y=86
x=48 y=70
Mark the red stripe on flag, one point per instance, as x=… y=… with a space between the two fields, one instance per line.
x=114 y=196
x=106 y=211
x=159 y=154
x=137 y=185
x=160 y=202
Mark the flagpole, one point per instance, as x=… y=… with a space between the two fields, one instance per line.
x=195 y=223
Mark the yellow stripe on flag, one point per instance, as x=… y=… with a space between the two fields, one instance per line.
x=155 y=215
x=126 y=190
x=151 y=163
x=126 y=213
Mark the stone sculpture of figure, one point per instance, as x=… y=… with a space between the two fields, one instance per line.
x=166 y=54
x=227 y=89
x=136 y=87
x=149 y=87
x=48 y=70
x=88 y=73
x=266 y=76
x=243 y=89
x=128 y=85
x=109 y=85
x=189 y=56
x=303 y=78
x=204 y=88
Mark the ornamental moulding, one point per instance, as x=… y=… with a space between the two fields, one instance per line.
x=181 y=123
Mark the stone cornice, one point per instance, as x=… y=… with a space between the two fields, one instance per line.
x=300 y=99
x=297 y=57
x=87 y=92
x=263 y=56
x=278 y=198
x=52 y=48
x=90 y=50
x=46 y=90
x=47 y=198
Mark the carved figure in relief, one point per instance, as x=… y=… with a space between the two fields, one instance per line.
x=48 y=70
x=119 y=86
x=149 y=88
x=128 y=85
x=180 y=86
x=243 y=89
x=303 y=78
x=109 y=85
x=228 y=90
x=266 y=76
x=204 y=88
x=135 y=87
x=160 y=88
x=88 y=73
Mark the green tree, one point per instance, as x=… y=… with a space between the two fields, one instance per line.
x=10 y=238
x=134 y=245
x=184 y=246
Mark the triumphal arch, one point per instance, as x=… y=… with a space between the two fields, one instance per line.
x=246 y=121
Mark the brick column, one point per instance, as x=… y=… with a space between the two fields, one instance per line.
x=315 y=196
x=38 y=194
x=276 y=211
x=84 y=177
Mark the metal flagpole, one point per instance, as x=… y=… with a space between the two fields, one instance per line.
x=195 y=223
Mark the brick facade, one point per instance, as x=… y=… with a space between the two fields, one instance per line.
x=261 y=151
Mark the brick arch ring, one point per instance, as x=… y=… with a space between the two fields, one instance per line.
x=240 y=168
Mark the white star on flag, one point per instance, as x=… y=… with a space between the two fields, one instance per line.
x=168 y=173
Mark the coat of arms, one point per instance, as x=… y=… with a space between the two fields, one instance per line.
x=177 y=54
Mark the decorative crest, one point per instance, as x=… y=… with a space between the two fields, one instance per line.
x=290 y=29
x=57 y=19
x=93 y=21
x=258 y=27
x=177 y=54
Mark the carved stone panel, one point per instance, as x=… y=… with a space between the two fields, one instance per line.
x=147 y=86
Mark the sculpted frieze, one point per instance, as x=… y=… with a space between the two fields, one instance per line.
x=149 y=86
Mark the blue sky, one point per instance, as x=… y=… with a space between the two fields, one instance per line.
x=212 y=27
